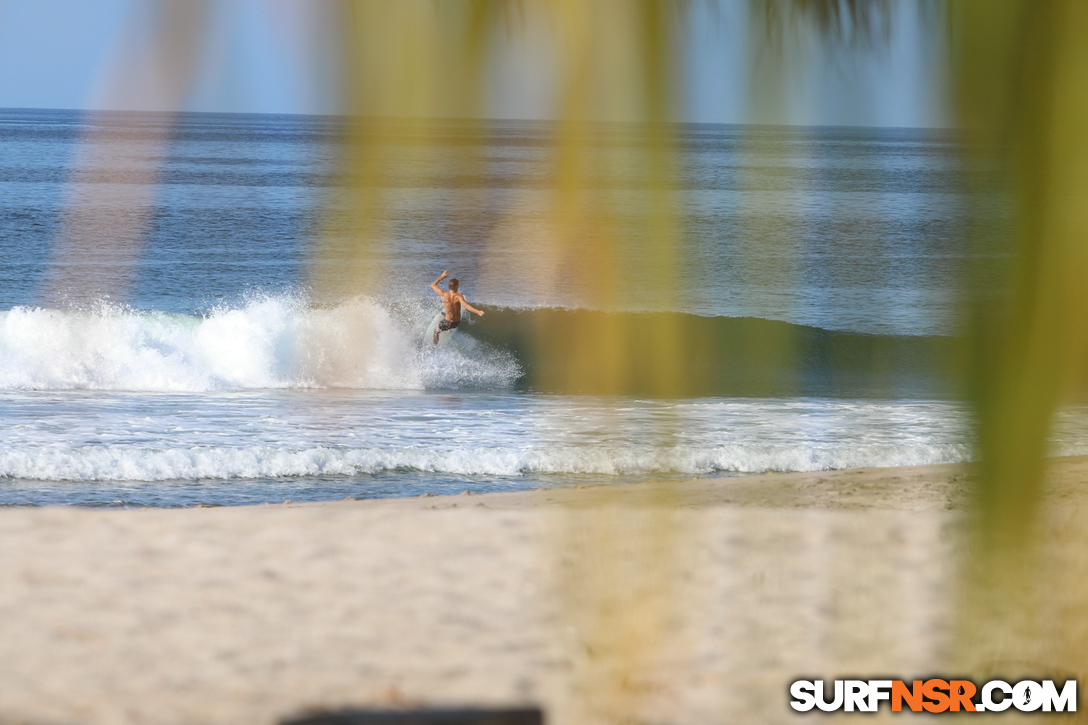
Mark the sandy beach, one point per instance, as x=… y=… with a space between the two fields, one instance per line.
x=253 y=614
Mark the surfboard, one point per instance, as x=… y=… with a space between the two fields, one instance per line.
x=443 y=337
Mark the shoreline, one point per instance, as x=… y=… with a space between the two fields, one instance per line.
x=256 y=613
x=927 y=487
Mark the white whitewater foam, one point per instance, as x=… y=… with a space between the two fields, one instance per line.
x=271 y=342
x=131 y=463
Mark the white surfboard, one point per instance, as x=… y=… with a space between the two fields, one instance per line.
x=443 y=337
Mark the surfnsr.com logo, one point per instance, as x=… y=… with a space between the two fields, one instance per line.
x=933 y=695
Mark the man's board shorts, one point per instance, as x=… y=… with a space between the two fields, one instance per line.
x=446 y=325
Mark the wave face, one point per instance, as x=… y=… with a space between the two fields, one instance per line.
x=271 y=342
x=728 y=356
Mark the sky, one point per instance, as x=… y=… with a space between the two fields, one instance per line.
x=274 y=56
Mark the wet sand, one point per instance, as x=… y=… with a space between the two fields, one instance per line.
x=251 y=614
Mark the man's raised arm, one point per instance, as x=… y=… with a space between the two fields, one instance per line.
x=434 y=285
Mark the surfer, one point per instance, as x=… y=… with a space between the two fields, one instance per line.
x=452 y=301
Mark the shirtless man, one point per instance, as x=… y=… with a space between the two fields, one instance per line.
x=452 y=302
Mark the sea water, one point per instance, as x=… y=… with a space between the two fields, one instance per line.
x=220 y=376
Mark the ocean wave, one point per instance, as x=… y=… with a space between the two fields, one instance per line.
x=286 y=341
x=130 y=463
x=724 y=356
x=270 y=342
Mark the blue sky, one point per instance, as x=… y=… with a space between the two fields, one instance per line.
x=273 y=56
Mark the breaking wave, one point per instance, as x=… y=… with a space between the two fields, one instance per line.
x=270 y=342
x=287 y=342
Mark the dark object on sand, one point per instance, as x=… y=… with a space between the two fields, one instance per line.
x=524 y=716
